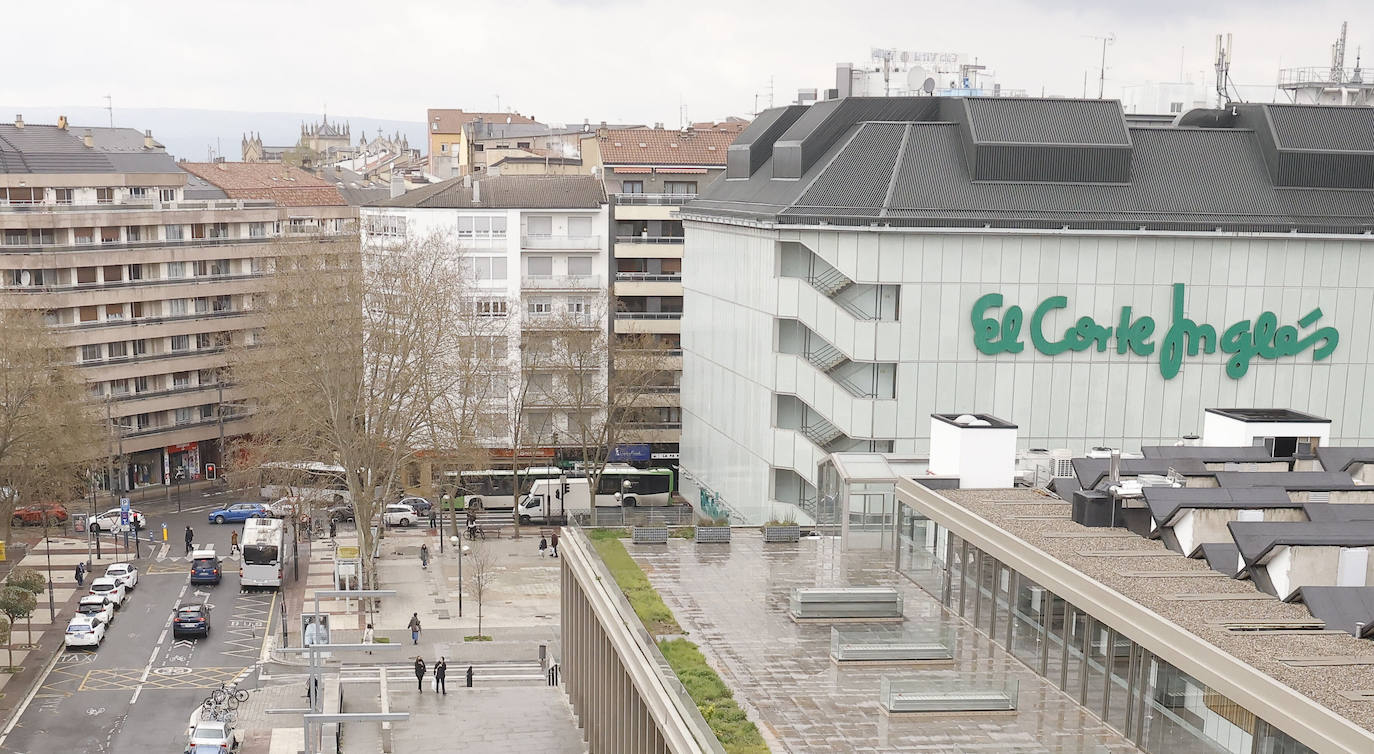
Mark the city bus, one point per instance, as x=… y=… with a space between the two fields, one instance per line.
x=264 y=553
x=491 y=489
x=311 y=481
x=631 y=487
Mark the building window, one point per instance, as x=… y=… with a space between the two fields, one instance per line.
x=181 y=342
x=119 y=387
x=167 y=195
x=207 y=411
x=25 y=277
x=176 y=270
x=85 y=275
x=491 y=308
x=114 y=312
x=489 y=268
x=185 y=415
x=680 y=187
x=257 y=230
x=88 y=314
x=387 y=226
x=221 y=304
x=579 y=266
x=203 y=340
x=135 y=271
x=580 y=227
x=143 y=421
x=540 y=306
x=118 y=349
x=63 y=196
x=577 y=305
x=539 y=226
x=109 y=235
x=141 y=384
x=141 y=347
x=443 y=148
x=181 y=379
x=104 y=196
x=138 y=192
x=90 y=352
x=1175 y=107
x=177 y=307
x=539 y=267
x=175 y=232
x=202 y=305
x=481 y=227
x=83 y=235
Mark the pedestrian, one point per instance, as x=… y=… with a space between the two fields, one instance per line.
x=440 y=671
x=433 y=519
x=190 y=539
x=553 y=543
x=543 y=545
x=80 y=574
x=424 y=555
x=414 y=627
x=333 y=528
x=234 y=542
x=369 y=637
x=420 y=674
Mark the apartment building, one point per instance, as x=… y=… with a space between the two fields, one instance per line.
x=649 y=173
x=538 y=251
x=870 y=261
x=147 y=272
x=448 y=141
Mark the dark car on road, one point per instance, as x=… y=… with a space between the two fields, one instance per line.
x=191 y=620
x=341 y=512
x=205 y=567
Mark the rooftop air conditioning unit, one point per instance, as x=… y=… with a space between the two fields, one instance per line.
x=1061 y=463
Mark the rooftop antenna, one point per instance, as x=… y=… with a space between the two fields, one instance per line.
x=498 y=103
x=770 y=92
x=1338 y=56
x=1223 y=68
x=1102 y=70
x=109 y=107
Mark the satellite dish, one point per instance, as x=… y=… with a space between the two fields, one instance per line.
x=914 y=76
x=929 y=85
x=25 y=278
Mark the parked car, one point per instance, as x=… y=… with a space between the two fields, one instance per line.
x=39 y=514
x=125 y=573
x=85 y=631
x=213 y=736
x=341 y=512
x=109 y=520
x=420 y=504
x=238 y=512
x=285 y=507
x=205 y=567
x=191 y=619
x=110 y=588
x=399 y=514
x=99 y=607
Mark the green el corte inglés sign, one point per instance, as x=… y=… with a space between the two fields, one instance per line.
x=1262 y=337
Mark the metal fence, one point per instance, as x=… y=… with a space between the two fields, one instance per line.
x=675 y=515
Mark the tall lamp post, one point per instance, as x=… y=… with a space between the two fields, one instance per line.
x=52 y=605
x=457 y=541
x=443 y=503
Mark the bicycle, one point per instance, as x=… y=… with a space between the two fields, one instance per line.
x=228 y=694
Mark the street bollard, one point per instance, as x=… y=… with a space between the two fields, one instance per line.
x=469 y=676
x=164 y=533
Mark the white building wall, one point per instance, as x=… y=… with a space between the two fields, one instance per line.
x=1075 y=400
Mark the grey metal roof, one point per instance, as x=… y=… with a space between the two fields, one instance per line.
x=1340 y=457
x=1093 y=471
x=1328 y=512
x=833 y=162
x=1165 y=502
x=1289 y=480
x=1255 y=539
x=1267 y=415
x=49 y=149
x=1222 y=557
x=1212 y=453
x=1324 y=128
x=1343 y=608
x=199 y=188
x=507 y=191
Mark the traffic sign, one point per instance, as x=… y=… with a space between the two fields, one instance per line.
x=124 y=511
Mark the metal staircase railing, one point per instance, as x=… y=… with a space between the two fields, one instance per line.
x=820 y=431
x=824 y=356
x=831 y=282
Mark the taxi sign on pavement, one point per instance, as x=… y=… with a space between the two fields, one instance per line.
x=346 y=552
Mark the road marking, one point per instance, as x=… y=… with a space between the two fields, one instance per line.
x=162 y=636
x=162 y=553
x=19 y=712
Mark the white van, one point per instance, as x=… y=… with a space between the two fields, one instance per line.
x=551 y=500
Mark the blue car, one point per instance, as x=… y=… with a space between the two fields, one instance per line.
x=239 y=512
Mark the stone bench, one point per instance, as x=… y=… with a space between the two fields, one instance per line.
x=916 y=695
x=867 y=604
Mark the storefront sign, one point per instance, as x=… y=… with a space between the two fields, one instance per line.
x=1263 y=337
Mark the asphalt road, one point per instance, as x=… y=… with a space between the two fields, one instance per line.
x=136 y=692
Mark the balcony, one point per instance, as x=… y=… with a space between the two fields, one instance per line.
x=136 y=204
x=649 y=239
x=648 y=315
x=560 y=242
x=561 y=282
x=659 y=200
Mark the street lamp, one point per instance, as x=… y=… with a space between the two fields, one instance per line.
x=443 y=503
x=456 y=540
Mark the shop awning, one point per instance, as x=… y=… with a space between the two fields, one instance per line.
x=634 y=170
x=680 y=171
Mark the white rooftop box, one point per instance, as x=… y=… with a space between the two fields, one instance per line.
x=1284 y=432
x=979 y=449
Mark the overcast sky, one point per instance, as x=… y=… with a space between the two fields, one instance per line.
x=615 y=60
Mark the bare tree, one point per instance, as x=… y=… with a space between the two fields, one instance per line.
x=344 y=368
x=47 y=428
x=481 y=572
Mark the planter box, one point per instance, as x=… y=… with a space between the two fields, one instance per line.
x=790 y=533
x=649 y=535
x=713 y=535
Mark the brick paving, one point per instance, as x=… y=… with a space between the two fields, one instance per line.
x=733 y=602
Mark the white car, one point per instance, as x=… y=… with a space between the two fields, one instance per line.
x=109 y=521
x=286 y=507
x=85 y=631
x=125 y=573
x=110 y=588
x=213 y=735
x=399 y=514
x=96 y=607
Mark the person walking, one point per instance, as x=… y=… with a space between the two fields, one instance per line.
x=433 y=519
x=553 y=543
x=420 y=674
x=424 y=556
x=369 y=637
x=440 y=671
x=190 y=539
x=333 y=528
x=543 y=545
x=414 y=627
x=80 y=574
x=234 y=542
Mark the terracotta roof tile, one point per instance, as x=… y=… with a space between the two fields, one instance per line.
x=656 y=146
x=452 y=121
x=287 y=186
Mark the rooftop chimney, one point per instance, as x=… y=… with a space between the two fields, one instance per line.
x=148 y=142
x=62 y=123
x=18 y=121
x=476 y=192
x=467 y=181
x=89 y=139
x=398 y=185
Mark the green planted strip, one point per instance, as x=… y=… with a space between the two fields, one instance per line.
x=713 y=698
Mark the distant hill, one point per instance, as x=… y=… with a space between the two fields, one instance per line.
x=197 y=134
